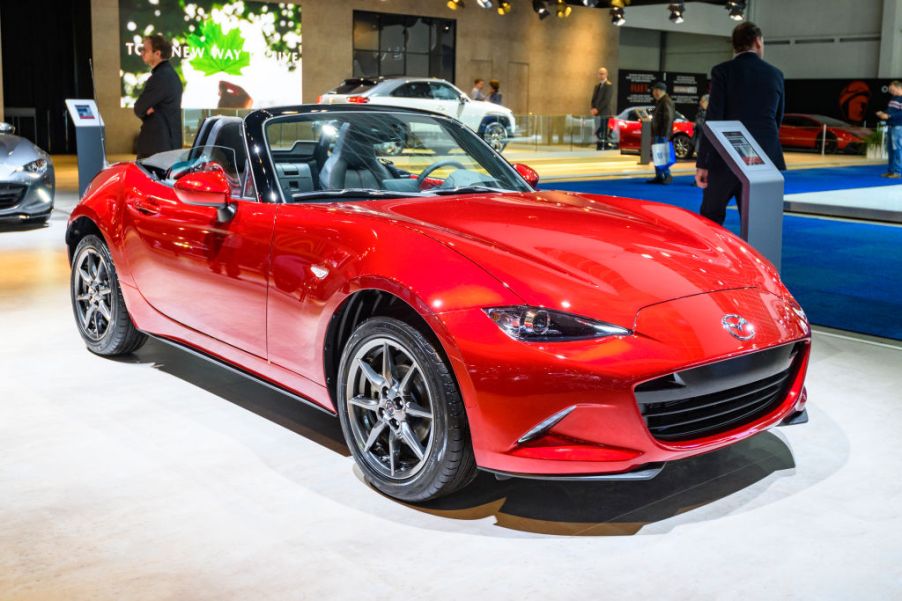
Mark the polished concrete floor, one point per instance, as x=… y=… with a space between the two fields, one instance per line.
x=160 y=477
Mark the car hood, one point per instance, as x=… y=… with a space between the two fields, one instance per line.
x=597 y=256
x=15 y=152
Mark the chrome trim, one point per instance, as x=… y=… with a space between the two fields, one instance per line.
x=738 y=326
x=545 y=425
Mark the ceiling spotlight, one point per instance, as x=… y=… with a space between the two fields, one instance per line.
x=541 y=8
x=736 y=8
x=484 y=3
x=562 y=10
x=455 y=4
x=504 y=7
x=676 y=12
x=617 y=16
x=590 y=3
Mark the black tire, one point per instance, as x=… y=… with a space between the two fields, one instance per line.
x=108 y=337
x=447 y=462
x=682 y=146
x=829 y=146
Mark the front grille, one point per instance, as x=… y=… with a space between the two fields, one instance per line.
x=715 y=398
x=11 y=195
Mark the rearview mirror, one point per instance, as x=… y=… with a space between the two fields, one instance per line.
x=528 y=173
x=207 y=186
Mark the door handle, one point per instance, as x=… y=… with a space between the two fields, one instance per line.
x=146 y=207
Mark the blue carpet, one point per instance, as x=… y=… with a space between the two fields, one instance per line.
x=846 y=275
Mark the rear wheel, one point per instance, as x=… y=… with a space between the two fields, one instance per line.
x=402 y=414
x=100 y=313
x=682 y=146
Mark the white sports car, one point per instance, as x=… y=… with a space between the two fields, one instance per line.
x=493 y=122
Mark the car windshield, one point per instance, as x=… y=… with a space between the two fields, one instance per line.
x=380 y=154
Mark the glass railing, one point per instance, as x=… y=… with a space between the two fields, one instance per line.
x=575 y=132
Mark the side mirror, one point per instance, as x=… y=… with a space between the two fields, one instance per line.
x=6 y=128
x=207 y=187
x=528 y=173
x=463 y=99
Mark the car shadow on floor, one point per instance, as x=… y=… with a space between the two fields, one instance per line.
x=543 y=507
x=278 y=408
x=621 y=508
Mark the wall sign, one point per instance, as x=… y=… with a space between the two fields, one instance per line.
x=229 y=54
x=685 y=89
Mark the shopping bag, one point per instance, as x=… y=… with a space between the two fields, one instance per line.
x=663 y=155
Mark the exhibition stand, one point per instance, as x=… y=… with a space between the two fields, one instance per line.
x=761 y=201
x=89 y=143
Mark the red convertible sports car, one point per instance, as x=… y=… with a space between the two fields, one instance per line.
x=627 y=129
x=453 y=317
x=807 y=131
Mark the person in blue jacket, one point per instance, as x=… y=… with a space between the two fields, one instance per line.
x=893 y=118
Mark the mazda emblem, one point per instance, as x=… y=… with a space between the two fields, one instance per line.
x=738 y=327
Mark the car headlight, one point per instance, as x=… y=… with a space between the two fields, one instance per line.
x=535 y=324
x=38 y=166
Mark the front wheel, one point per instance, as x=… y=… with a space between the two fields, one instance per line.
x=682 y=146
x=402 y=414
x=100 y=313
x=495 y=134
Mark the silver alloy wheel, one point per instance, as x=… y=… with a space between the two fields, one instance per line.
x=389 y=408
x=93 y=293
x=682 y=147
x=496 y=136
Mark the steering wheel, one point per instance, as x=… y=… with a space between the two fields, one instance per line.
x=437 y=165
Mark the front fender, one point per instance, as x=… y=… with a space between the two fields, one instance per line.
x=101 y=206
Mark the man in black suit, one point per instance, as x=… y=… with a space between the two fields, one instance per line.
x=745 y=89
x=160 y=104
x=602 y=96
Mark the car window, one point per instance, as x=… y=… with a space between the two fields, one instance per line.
x=353 y=86
x=441 y=91
x=414 y=89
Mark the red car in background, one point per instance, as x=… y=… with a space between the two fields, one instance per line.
x=627 y=129
x=807 y=132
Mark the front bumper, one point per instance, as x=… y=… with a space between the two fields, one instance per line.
x=24 y=196
x=509 y=386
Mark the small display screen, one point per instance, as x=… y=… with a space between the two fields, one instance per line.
x=743 y=147
x=84 y=111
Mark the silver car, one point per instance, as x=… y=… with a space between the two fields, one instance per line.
x=27 y=181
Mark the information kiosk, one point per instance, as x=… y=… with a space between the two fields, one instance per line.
x=761 y=201
x=89 y=142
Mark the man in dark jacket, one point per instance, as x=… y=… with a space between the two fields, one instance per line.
x=745 y=89
x=661 y=127
x=602 y=97
x=160 y=104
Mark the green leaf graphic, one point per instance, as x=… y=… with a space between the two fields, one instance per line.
x=218 y=52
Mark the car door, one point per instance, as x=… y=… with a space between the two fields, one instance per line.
x=451 y=102
x=196 y=269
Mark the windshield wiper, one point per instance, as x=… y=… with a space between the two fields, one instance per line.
x=467 y=190
x=355 y=193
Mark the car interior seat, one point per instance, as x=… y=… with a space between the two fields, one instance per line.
x=353 y=162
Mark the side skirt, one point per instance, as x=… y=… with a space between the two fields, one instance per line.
x=240 y=372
